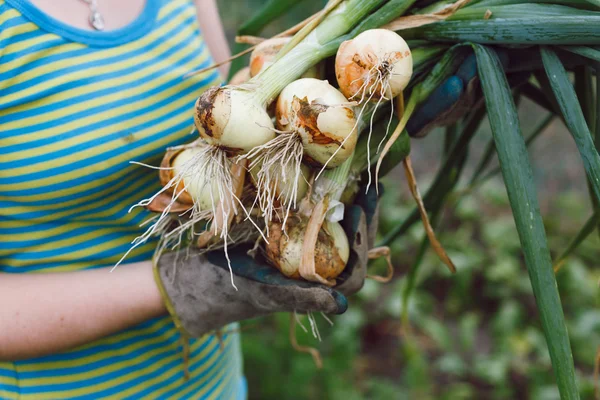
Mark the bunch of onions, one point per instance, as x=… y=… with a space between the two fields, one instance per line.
x=315 y=126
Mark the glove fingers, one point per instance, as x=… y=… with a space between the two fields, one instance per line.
x=204 y=298
x=287 y=294
x=352 y=278
x=245 y=266
x=319 y=299
x=275 y=292
x=440 y=101
x=369 y=201
x=468 y=69
x=255 y=269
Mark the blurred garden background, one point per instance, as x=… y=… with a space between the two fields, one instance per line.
x=474 y=335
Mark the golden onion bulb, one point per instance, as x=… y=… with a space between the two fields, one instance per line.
x=284 y=250
x=322 y=117
x=374 y=64
x=199 y=187
x=265 y=54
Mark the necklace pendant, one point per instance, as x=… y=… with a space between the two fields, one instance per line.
x=97 y=21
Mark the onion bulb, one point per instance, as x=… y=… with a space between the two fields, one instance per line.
x=203 y=191
x=284 y=249
x=265 y=53
x=242 y=76
x=321 y=116
x=286 y=187
x=375 y=64
x=231 y=118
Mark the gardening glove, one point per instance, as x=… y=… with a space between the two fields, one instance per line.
x=360 y=224
x=455 y=97
x=449 y=102
x=201 y=298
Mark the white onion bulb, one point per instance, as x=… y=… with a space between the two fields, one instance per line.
x=320 y=114
x=199 y=187
x=231 y=118
x=265 y=53
x=375 y=64
x=284 y=250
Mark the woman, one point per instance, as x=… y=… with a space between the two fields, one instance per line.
x=78 y=102
x=84 y=90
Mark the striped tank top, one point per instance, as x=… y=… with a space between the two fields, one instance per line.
x=75 y=108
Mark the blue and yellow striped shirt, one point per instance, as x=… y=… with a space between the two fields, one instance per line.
x=75 y=108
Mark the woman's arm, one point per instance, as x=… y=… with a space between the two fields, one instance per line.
x=214 y=35
x=48 y=313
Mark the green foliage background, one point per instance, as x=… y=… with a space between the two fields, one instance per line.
x=474 y=335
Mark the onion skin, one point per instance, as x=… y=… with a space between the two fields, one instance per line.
x=242 y=76
x=284 y=252
x=165 y=201
x=315 y=110
x=372 y=52
x=166 y=173
x=265 y=53
x=229 y=117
